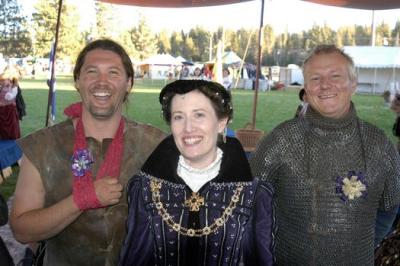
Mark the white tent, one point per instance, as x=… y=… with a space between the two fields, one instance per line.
x=181 y=59
x=378 y=67
x=231 y=57
x=159 y=66
x=161 y=59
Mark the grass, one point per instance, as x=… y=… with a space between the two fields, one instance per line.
x=8 y=186
x=273 y=108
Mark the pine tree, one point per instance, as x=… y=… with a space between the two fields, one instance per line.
x=15 y=39
x=201 y=39
x=143 y=39
x=268 y=40
x=164 y=45
x=45 y=19
x=176 y=43
x=382 y=34
x=126 y=41
x=105 y=20
x=362 y=35
x=396 y=34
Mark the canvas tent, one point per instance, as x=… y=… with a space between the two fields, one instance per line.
x=378 y=67
x=230 y=58
x=181 y=59
x=158 y=66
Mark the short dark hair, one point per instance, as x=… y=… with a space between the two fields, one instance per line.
x=218 y=95
x=108 y=45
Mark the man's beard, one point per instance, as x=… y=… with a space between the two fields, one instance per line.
x=102 y=114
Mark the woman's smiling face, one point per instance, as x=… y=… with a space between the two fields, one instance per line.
x=195 y=128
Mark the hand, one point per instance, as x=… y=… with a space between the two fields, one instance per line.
x=108 y=190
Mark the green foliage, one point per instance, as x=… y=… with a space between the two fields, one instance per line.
x=362 y=35
x=345 y=36
x=164 y=46
x=15 y=39
x=396 y=34
x=176 y=43
x=201 y=40
x=44 y=23
x=106 y=20
x=141 y=42
x=382 y=34
x=127 y=42
x=143 y=39
x=320 y=34
x=188 y=48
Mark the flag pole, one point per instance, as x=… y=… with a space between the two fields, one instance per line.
x=52 y=74
x=258 y=70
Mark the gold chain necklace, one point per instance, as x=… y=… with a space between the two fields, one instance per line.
x=194 y=203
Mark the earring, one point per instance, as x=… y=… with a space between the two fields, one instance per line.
x=224 y=134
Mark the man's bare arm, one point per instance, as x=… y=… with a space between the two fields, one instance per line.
x=29 y=220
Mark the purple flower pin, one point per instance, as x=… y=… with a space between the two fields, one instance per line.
x=352 y=186
x=81 y=161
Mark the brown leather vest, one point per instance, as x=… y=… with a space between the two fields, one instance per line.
x=95 y=237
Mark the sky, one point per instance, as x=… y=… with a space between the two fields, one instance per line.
x=282 y=15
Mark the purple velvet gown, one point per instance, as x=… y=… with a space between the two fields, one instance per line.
x=245 y=238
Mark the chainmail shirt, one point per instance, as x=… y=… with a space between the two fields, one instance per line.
x=302 y=158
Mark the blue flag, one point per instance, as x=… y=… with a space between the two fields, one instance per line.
x=52 y=84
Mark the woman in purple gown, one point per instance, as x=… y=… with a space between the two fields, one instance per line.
x=195 y=202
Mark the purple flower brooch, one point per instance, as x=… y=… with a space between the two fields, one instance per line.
x=81 y=161
x=352 y=186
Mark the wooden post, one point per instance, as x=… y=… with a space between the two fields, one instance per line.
x=258 y=70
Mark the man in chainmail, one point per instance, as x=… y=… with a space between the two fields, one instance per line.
x=331 y=171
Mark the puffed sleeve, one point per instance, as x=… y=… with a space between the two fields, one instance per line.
x=138 y=245
x=258 y=244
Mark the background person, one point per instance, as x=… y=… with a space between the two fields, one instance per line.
x=226 y=79
x=302 y=108
x=195 y=201
x=197 y=73
x=331 y=171
x=70 y=186
x=9 y=124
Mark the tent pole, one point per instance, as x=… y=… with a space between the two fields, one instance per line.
x=373 y=29
x=258 y=70
x=244 y=57
x=394 y=78
x=52 y=74
x=373 y=86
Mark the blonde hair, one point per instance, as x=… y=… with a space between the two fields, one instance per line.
x=11 y=74
x=330 y=49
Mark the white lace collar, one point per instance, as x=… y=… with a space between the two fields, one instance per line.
x=196 y=178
